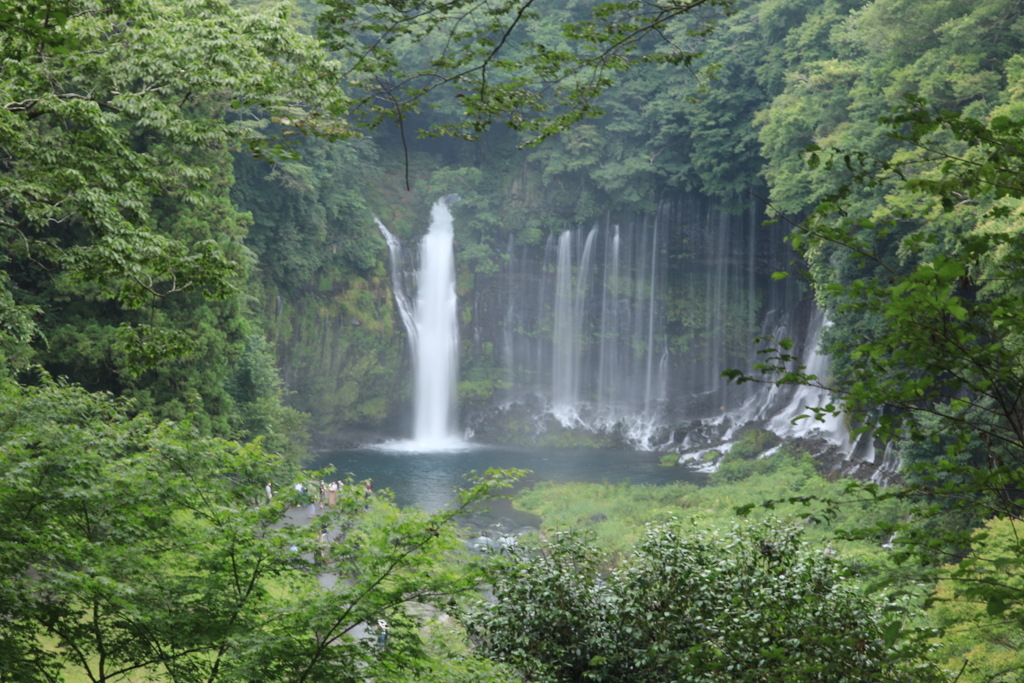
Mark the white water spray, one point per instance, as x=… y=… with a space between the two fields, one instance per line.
x=564 y=337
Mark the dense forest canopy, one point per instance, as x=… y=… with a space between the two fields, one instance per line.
x=191 y=281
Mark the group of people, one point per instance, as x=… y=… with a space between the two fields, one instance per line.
x=327 y=495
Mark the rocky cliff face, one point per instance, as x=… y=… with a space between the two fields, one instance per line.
x=341 y=351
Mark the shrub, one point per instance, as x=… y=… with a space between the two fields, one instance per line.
x=751 y=604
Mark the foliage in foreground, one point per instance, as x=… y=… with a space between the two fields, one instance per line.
x=752 y=604
x=935 y=365
x=136 y=549
x=988 y=646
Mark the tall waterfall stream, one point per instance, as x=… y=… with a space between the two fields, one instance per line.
x=433 y=332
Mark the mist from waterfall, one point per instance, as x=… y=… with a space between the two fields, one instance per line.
x=432 y=325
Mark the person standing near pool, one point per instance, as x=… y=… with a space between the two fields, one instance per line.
x=321 y=551
x=332 y=494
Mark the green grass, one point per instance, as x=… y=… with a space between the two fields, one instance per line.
x=617 y=513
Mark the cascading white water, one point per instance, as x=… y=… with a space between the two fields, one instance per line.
x=649 y=384
x=607 y=368
x=595 y=346
x=405 y=309
x=807 y=397
x=437 y=333
x=579 y=306
x=564 y=337
x=589 y=314
x=788 y=411
x=587 y=333
x=433 y=332
x=606 y=359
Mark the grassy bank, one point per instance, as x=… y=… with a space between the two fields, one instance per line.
x=616 y=513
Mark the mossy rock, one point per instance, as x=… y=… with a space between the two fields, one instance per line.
x=711 y=455
x=570 y=438
x=753 y=443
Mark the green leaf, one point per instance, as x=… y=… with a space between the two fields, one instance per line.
x=995 y=606
x=891 y=633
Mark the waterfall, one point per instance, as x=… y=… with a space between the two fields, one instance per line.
x=433 y=332
x=624 y=327
x=511 y=312
x=564 y=340
x=587 y=315
x=607 y=366
x=804 y=398
x=579 y=311
x=650 y=326
x=437 y=332
x=541 y=361
x=594 y=346
x=585 y=319
x=405 y=310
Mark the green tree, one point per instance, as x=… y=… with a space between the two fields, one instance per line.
x=753 y=604
x=538 y=81
x=134 y=548
x=104 y=112
x=941 y=365
x=990 y=643
x=123 y=259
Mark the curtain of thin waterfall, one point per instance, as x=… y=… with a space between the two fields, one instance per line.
x=511 y=313
x=638 y=311
x=596 y=337
x=583 y=320
x=608 y=352
x=753 y=248
x=658 y=352
x=716 y=296
x=628 y=325
x=644 y=311
x=398 y=281
x=541 y=328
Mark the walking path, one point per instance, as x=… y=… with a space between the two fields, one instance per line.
x=299 y=516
